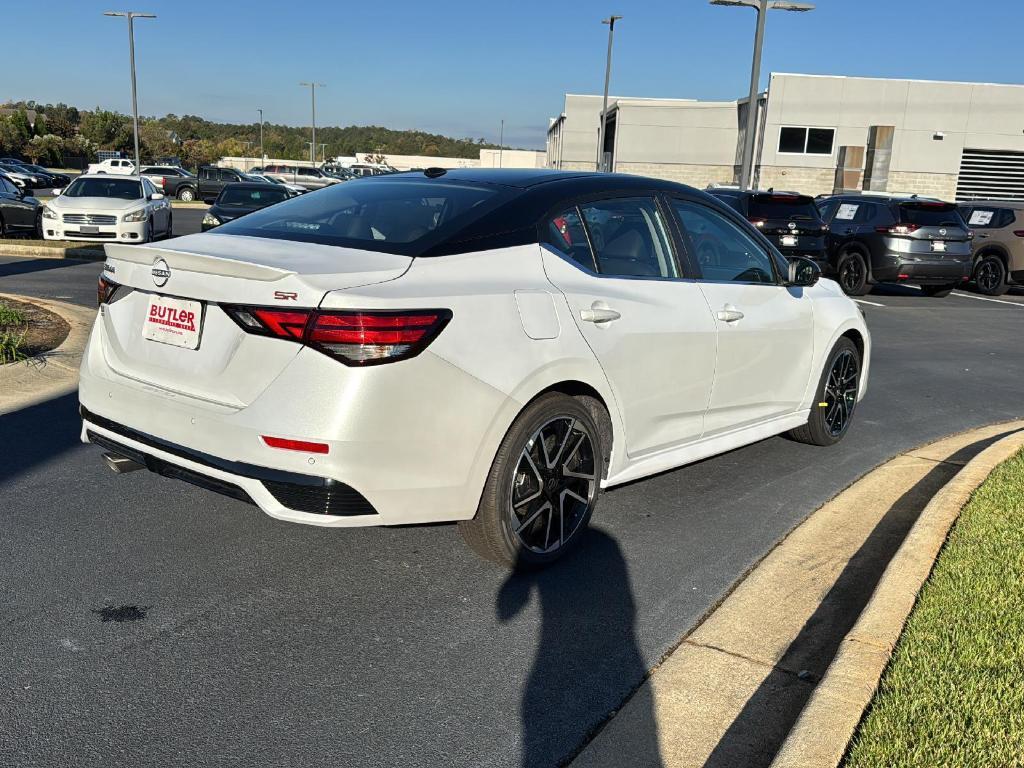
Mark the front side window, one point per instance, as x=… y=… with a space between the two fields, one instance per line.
x=629 y=238
x=246 y=197
x=122 y=189
x=806 y=141
x=6 y=186
x=564 y=233
x=404 y=216
x=724 y=251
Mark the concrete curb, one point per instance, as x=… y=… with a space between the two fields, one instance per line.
x=830 y=718
x=53 y=252
x=52 y=373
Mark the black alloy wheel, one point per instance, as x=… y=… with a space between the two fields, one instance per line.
x=990 y=275
x=853 y=274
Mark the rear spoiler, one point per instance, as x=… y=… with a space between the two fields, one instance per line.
x=194 y=262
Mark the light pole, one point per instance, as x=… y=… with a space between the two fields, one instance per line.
x=312 y=92
x=131 y=16
x=501 y=142
x=263 y=157
x=610 y=21
x=762 y=7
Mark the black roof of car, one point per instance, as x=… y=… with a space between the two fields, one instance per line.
x=253 y=185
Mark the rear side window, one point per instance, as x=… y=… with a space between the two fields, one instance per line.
x=629 y=238
x=248 y=197
x=783 y=207
x=986 y=218
x=930 y=215
x=404 y=217
x=827 y=208
x=564 y=233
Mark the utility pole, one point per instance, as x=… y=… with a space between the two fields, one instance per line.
x=131 y=16
x=762 y=7
x=312 y=93
x=501 y=142
x=263 y=156
x=610 y=21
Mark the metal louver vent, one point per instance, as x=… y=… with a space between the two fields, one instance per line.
x=989 y=174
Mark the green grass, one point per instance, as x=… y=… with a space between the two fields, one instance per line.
x=12 y=333
x=953 y=694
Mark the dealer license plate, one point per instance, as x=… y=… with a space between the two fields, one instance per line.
x=177 y=322
x=789 y=241
x=939 y=246
x=86 y=229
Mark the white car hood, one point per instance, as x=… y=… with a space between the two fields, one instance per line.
x=68 y=204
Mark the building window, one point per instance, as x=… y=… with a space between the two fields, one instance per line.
x=806 y=141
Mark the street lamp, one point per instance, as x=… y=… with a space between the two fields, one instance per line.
x=762 y=7
x=263 y=157
x=610 y=21
x=501 y=142
x=312 y=92
x=131 y=16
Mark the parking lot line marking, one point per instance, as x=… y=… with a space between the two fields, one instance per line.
x=870 y=303
x=985 y=298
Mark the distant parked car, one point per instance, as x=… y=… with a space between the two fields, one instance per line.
x=303 y=176
x=23 y=177
x=897 y=239
x=998 y=228
x=54 y=179
x=791 y=221
x=108 y=209
x=213 y=179
x=176 y=182
x=236 y=200
x=293 y=189
x=19 y=212
x=115 y=166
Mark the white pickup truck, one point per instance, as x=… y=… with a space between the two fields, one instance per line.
x=114 y=166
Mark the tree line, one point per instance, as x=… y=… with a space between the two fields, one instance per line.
x=64 y=133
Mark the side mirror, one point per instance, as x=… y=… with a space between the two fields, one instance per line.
x=57 y=192
x=803 y=272
x=156 y=196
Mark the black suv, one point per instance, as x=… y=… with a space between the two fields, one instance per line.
x=791 y=221
x=213 y=179
x=881 y=239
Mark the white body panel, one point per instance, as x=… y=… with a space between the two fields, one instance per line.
x=417 y=437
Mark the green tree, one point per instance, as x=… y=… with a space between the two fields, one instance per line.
x=154 y=140
x=10 y=139
x=20 y=124
x=108 y=130
x=48 y=148
x=62 y=120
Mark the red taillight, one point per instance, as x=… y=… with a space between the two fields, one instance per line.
x=1019 y=232
x=898 y=229
x=295 y=445
x=757 y=222
x=105 y=290
x=355 y=337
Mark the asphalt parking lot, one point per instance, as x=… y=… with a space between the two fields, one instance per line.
x=152 y=623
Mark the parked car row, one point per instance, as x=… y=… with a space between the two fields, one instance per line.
x=862 y=239
x=29 y=176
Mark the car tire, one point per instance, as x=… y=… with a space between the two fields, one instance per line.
x=186 y=194
x=852 y=273
x=835 y=399
x=39 y=226
x=170 y=227
x=517 y=521
x=3 y=228
x=990 y=275
x=147 y=236
x=937 y=291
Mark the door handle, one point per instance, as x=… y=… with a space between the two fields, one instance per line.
x=598 y=315
x=729 y=314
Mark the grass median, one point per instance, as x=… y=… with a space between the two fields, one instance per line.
x=953 y=694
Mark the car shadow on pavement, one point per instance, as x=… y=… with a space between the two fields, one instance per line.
x=37 y=434
x=27 y=266
x=587 y=661
x=757 y=732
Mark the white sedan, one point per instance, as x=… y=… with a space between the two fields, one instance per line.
x=108 y=209
x=484 y=346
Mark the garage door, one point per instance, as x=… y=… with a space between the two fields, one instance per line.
x=990 y=174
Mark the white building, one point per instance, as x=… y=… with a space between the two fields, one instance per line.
x=815 y=134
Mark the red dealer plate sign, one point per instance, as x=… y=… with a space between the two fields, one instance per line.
x=173 y=321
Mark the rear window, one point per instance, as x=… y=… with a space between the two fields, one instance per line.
x=783 y=207
x=122 y=189
x=247 y=198
x=403 y=216
x=930 y=215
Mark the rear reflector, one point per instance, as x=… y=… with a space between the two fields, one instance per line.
x=355 y=337
x=295 y=445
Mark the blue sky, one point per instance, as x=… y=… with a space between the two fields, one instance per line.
x=458 y=67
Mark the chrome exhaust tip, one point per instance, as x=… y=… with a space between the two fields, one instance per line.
x=121 y=465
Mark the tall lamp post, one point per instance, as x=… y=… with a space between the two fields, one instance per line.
x=501 y=142
x=762 y=7
x=610 y=21
x=132 y=16
x=312 y=92
x=263 y=157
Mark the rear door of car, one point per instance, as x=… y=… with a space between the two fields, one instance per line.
x=765 y=328
x=16 y=212
x=640 y=312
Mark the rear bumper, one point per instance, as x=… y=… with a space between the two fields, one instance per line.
x=948 y=270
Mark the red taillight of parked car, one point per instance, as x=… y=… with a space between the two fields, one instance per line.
x=354 y=337
x=759 y=223
x=105 y=290
x=898 y=229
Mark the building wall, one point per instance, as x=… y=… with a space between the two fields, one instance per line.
x=512 y=158
x=699 y=176
x=971 y=115
x=576 y=131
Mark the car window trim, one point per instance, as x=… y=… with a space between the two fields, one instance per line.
x=745 y=226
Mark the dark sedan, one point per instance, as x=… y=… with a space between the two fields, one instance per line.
x=59 y=180
x=19 y=213
x=238 y=199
